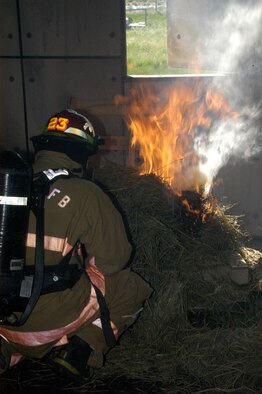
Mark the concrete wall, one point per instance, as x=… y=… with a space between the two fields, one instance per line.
x=58 y=50
x=58 y=53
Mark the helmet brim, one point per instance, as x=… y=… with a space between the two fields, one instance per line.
x=75 y=147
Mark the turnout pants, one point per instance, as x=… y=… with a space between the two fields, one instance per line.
x=56 y=318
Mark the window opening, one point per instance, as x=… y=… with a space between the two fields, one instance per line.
x=171 y=37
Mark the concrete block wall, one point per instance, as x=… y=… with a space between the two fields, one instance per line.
x=53 y=51
x=58 y=53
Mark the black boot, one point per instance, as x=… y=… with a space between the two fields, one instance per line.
x=3 y=362
x=70 y=361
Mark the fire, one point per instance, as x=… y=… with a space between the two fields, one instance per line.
x=165 y=125
x=194 y=212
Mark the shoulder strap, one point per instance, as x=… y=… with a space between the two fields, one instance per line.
x=39 y=259
x=40 y=189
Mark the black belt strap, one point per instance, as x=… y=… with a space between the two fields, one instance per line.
x=104 y=311
x=105 y=318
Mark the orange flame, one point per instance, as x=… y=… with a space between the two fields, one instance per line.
x=163 y=126
x=193 y=211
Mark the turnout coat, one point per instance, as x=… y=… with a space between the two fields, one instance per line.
x=78 y=211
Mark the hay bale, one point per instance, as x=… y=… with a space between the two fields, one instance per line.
x=200 y=332
x=197 y=312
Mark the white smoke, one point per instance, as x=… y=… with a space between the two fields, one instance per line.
x=235 y=47
x=237 y=37
x=232 y=138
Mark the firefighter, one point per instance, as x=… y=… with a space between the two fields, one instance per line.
x=73 y=326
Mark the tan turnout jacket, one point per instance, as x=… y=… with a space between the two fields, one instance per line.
x=78 y=210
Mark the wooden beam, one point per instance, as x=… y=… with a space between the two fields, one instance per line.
x=113 y=142
x=97 y=107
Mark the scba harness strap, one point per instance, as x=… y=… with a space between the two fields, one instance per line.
x=40 y=187
x=46 y=279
